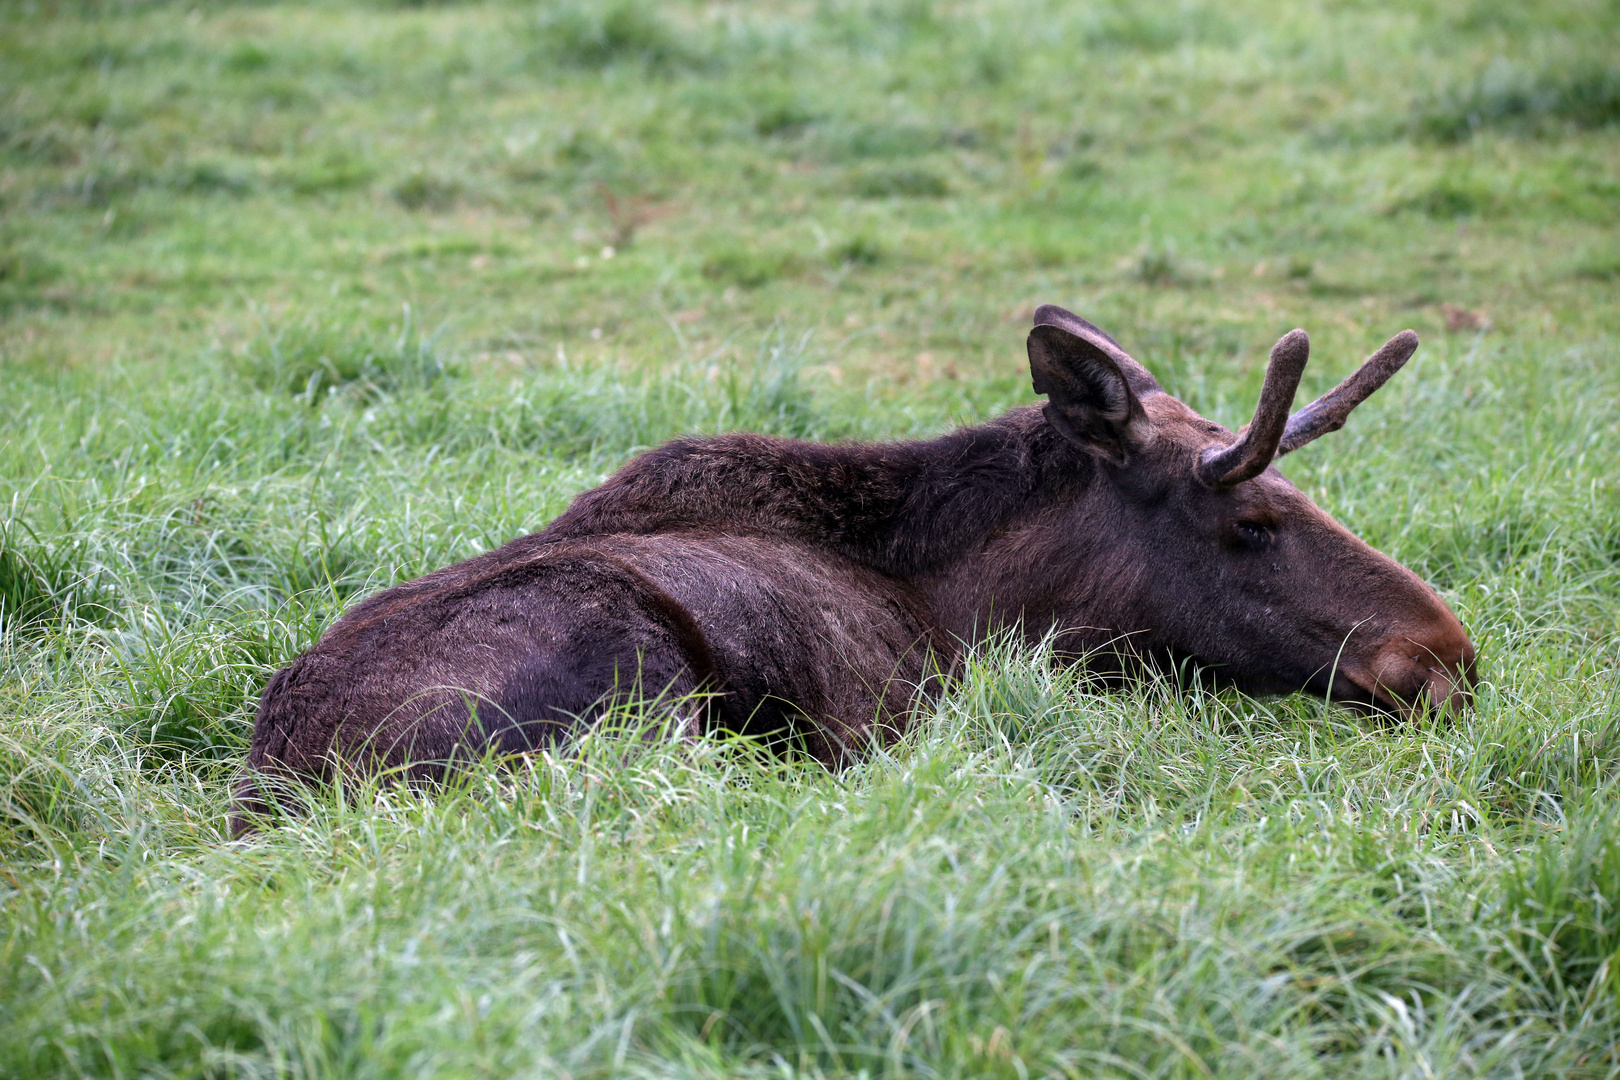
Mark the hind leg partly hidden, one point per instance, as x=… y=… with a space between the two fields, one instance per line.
x=520 y=662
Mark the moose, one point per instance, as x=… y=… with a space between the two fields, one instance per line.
x=812 y=592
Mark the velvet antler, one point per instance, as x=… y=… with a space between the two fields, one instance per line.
x=1226 y=466
x=1328 y=412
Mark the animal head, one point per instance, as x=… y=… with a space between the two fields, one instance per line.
x=1242 y=572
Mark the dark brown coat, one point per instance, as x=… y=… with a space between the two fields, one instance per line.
x=813 y=590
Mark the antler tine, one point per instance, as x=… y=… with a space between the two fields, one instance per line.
x=1328 y=412
x=1225 y=466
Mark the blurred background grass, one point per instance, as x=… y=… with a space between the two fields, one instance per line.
x=301 y=299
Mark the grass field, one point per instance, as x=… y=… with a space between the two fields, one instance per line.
x=301 y=299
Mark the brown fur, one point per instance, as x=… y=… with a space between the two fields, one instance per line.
x=814 y=590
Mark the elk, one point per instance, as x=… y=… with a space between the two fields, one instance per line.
x=792 y=589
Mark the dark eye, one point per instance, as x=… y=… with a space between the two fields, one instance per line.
x=1251 y=536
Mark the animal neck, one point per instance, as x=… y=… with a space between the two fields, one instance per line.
x=906 y=509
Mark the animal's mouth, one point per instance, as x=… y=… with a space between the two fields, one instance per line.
x=1340 y=687
x=1430 y=688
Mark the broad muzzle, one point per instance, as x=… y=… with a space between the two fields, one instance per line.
x=1424 y=668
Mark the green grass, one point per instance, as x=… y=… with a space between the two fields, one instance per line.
x=299 y=300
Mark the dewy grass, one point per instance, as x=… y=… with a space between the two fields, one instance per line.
x=610 y=225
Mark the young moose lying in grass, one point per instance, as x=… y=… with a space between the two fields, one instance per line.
x=810 y=590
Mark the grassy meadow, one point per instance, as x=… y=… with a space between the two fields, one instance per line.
x=298 y=300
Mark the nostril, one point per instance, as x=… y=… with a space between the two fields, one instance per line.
x=1446 y=692
x=1436 y=670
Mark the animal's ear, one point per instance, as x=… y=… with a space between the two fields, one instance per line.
x=1089 y=400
